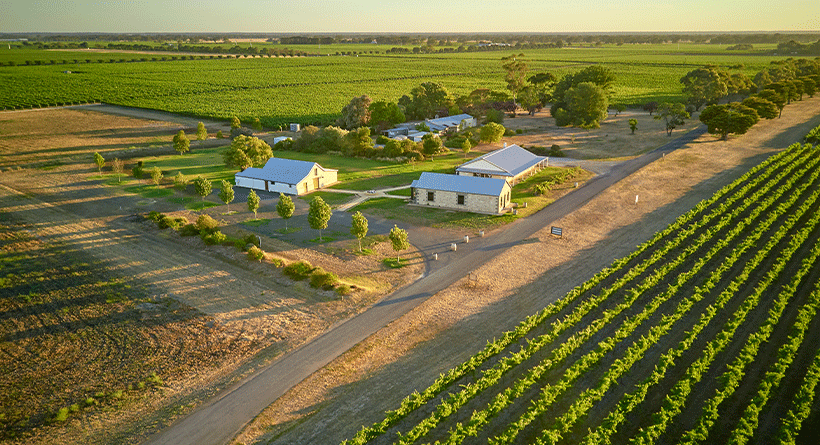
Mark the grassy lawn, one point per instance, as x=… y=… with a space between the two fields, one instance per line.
x=205 y=162
x=523 y=192
x=149 y=191
x=331 y=198
x=255 y=222
x=401 y=192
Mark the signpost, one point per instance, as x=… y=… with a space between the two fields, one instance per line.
x=557 y=231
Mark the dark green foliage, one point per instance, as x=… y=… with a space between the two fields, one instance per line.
x=189 y=230
x=212 y=238
x=206 y=224
x=322 y=279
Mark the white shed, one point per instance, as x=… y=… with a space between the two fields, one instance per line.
x=287 y=176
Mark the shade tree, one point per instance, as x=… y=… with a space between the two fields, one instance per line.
x=732 y=118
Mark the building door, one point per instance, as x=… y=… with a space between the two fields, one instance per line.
x=316 y=183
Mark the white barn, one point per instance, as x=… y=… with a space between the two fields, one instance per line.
x=287 y=176
x=464 y=193
x=511 y=163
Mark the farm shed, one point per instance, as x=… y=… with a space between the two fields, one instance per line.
x=465 y=193
x=511 y=163
x=287 y=176
x=443 y=123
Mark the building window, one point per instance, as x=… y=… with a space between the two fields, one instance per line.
x=431 y=196
x=460 y=200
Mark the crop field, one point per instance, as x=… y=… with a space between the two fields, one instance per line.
x=314 y=89
x=706 y=333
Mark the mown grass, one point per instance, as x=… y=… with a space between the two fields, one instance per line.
x=331 y=198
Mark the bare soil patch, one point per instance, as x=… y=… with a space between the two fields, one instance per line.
x=409 y=354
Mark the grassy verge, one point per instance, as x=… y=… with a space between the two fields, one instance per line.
x=331 y=198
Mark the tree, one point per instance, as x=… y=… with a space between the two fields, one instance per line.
x=181 y=142
x=179 y=181
x=156 y=175
x=813 y=136
x=765 y=108
x=705 y=86
x=650 y=106
x=775 y=98
x=356 y=113
x=672 y=115
x=117 y=165
x=431 y=144
x=226 y=192
x=358 y=227
x=203 y=187
x=529 y=100
x=201 y=132
x=633 y=125
x=425 y=101
x=733 y=118
x=491 y=132
x=516 y=69
x=384 y=115
x=100 y=161
x=247 y=151
x=586 y=104
x=619 y=108
x=285 y=208
x=543 y=84
x=253 y=202
x=319 y=214
x=466 y=146
x=398 y=237
x=236 y=126
x=357 y=142
x=809 y=85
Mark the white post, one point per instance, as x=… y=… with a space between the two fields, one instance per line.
x=453 y=247
x=466 y=239
x=636 y=199
x=435 y=256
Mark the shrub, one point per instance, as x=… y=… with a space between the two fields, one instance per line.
x=298 y=270
x=62 y=415
x=519 y=131
x=322 y=279
x=250 y=239
x=219 y=134
x=189 y=230
x=382 y=139
x=137 y=172
x=154 y=216
x=206 y=224
x=277 y=262
x=255 y=254
x=555 y=151
x=211 y=238
x=494 y=115
x=344 y=289
x=165 y=222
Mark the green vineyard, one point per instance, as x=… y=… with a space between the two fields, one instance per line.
x=707 y=333
x=313 y=90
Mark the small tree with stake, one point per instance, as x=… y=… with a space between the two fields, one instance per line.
x=633 y=125
x=398 y=237
x=203 y=187
x=181 y=142
x=358 y=228
x=319 y=215
x=201 y=132
x=285 y=208
x=100 y=161
x=118 y=166
x=253 y=202
x=226 y=192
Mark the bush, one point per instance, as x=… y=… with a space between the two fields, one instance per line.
x=555 y=151
x=174 y=223
x=494 y=115
x=255 y=254
x=154 y=216
x=189 y=230
x=519 y=131
x=137 y=172
x=344 y=289
x=206 y=224
x=219 y=134
x=62 y=415
x=211 y=238
x=298 y=270
x=250 y=239
x=322 y=279
x=382 y=139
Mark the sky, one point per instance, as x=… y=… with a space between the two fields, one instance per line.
x=422 y=16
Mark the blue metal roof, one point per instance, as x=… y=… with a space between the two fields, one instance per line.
x=460 y=184
x=512 y=159
x=287 y=171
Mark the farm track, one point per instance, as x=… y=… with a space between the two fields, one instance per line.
x=709 y=272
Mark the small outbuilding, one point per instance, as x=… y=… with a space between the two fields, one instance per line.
x=464 y=193
x=511 y=163
x=458 y=121
x=287 y=176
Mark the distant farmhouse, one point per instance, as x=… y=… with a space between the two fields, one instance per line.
x=287 y=176
x=511 y=163
x=465 y=193
x=408 y=131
